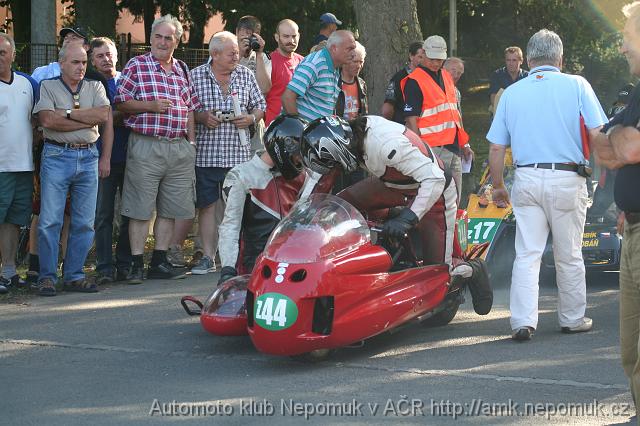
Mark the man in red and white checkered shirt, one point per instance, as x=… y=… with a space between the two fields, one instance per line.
x=156 y=92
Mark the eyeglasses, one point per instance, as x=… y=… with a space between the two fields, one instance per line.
x=76 y=101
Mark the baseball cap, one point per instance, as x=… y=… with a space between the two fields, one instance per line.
x=76 y=30
x=435 y=47
x=329 y=18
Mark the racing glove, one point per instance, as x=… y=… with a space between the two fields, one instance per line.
x=227 y=273
x=401 y=224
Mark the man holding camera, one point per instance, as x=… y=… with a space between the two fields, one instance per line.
x=252 y=56
x=539 y=117
x=221 y=138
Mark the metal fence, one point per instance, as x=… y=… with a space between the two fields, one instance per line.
x=30 y=56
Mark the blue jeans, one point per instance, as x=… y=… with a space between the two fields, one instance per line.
x=63 y=171
x=107 y=190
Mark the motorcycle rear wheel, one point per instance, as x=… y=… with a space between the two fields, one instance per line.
x=443 y=317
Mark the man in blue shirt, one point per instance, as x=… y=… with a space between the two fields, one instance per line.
x=540 y=118
x=104 y=57
x=507 y=75
x=313 y=90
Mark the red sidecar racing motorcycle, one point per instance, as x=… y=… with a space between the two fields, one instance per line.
x=324 y=282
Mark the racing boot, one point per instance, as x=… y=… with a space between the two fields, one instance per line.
x=480 y=287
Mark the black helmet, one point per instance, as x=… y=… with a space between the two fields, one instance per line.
x=282 y=141
x=328 y=142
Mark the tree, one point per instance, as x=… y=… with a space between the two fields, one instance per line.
x=20 y=19
x=96 y=17
x=387 y=41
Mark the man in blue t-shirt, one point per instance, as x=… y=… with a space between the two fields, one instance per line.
x=104 y=57
x=507 y=75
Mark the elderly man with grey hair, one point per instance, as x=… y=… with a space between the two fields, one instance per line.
x=69 y=110
x=313 y=89
x=155 y=92
x=230 y=103
x=540 y=118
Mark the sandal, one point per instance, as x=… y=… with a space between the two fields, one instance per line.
x=81 y=286
x=46 y=288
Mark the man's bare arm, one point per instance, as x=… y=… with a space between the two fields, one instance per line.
x=107 y=133
x=136 y=107
x=412 y=124
x=605 y=156
x=93 y=116
x=626 y=144
x=53 y=121
x=496 y=168
x=289 y=105
x=388 y=110
x=263 y=78
x=191 y=127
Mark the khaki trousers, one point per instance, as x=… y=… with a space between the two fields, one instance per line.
x=630 y=307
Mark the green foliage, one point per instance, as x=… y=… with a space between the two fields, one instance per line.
x=306 y=13
x=487 y=27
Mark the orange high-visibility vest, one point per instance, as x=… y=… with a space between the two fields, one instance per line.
x=440 y=119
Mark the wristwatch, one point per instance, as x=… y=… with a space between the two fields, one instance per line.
x=69 y=114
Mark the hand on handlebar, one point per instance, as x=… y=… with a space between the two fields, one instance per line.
x=400 y=225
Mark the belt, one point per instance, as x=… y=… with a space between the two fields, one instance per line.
x=632 y=217
x=567 y=167
x=70 y=145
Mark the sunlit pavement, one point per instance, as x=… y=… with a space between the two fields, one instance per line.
x=130 y=355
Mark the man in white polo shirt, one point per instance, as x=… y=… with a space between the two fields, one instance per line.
x=18 y=92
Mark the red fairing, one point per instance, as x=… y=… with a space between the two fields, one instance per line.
x=365 y=304
x=321 y=283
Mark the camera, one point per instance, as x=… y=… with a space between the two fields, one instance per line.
x=253 y=43
x=225 y=116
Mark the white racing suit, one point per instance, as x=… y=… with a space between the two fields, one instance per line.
x=406 y=173
x=257 y=198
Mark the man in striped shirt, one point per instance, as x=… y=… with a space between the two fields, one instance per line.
x=313 y=89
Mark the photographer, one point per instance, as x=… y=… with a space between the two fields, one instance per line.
x=252 y=56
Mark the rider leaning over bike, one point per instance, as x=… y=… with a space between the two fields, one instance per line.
x=408 y=182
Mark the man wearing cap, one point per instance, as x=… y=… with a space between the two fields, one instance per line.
x=328 y=25
x=52 y=70
x=313 y=89
x=431 y=109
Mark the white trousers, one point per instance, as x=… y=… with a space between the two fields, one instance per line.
x=548 y=200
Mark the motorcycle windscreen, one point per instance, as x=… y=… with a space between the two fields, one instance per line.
x=317 y=228
x=225 y=311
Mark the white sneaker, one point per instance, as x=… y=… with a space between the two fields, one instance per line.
x=586 y=325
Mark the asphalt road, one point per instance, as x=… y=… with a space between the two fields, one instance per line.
x=130 y=355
